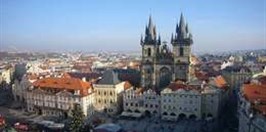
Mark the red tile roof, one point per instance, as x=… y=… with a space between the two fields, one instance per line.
x=64 y=84
x=220 y=82
x=177 y=85
x=256 y=93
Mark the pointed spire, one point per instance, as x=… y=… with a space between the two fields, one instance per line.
x=154 y=32
x=150 y=21
x=182 y=27
x=177 y=28
x=172 y=38
x=146 y=31
x=141 y=39
x=159 y=39
x=150 y=25
x=187 y=29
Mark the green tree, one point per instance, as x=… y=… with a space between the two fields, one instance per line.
x=76 y=119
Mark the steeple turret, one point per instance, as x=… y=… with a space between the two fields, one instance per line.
x=182 y=28
x=150 y=32
x=182 y=35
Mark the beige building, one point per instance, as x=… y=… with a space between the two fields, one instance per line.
x=109 y=97
x=109 y=92
x=57 y=96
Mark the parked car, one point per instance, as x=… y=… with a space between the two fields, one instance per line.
x=2 y=121
x=21 y=126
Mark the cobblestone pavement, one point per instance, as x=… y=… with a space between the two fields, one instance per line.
x=156 y=125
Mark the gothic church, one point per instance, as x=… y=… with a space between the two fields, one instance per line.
x=160 y=65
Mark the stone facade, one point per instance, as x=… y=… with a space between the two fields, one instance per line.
x=160 y=66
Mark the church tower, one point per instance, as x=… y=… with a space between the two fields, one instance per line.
x=181 y=41
x=150 y=47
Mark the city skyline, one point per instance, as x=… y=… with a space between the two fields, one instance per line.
x=118 y=25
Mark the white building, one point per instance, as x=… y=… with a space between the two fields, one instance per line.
x=177 y=101
x=180 y=101
x=6 y=74
x=36 y=68
x=57 y=96
x=139 y=102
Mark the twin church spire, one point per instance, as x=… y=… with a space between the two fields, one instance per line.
x=160 y=65
x=182 y=32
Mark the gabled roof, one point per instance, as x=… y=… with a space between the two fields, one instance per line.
x=110 y=77
x=115 y=76
x=63 y=84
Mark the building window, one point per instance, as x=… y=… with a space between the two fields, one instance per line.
x=149 y=51
x=181 y=51
x=126 y=104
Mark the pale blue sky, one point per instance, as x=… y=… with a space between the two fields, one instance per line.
x=92 y=25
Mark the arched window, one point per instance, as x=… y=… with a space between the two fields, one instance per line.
x=181 y=51
x=149 y=51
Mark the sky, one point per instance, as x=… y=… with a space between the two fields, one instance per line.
x=116 y=25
